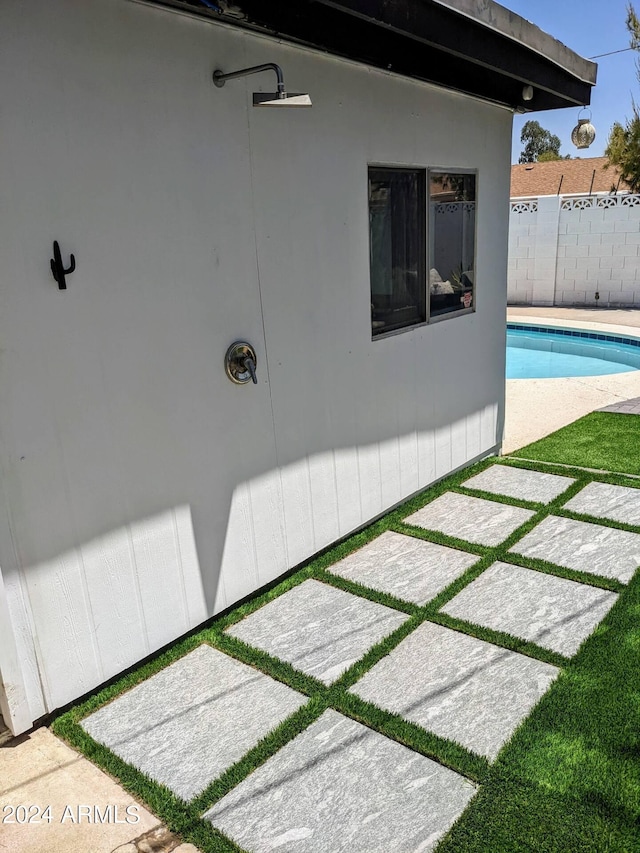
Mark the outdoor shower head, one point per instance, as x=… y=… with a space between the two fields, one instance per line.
x=284 y=99
x=281 y=98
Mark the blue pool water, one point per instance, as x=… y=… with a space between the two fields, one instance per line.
x=541 y=353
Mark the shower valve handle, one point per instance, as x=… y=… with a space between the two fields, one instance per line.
x=240 y=363
x=250 y=365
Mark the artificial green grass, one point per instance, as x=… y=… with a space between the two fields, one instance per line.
x=569 y=780
x=607 y=441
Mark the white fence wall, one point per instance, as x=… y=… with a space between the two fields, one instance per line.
x=565 y=249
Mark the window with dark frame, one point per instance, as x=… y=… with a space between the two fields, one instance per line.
x=398 y=246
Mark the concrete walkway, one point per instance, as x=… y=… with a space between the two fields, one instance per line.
x=71 y=805
x=538 y=407
x=626 y=407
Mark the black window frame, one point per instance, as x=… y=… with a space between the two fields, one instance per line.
x=426 y=225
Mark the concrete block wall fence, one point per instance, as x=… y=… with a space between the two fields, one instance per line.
x=563 y=250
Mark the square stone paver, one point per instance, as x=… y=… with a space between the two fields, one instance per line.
x=619 y=503
x=472 y=519
x=629 y=407
x=188 y=723
x=339 y=787
x=555 y=613
x=583 y=547
x=318 y=629
x=457 y=686
x=520 y=483
x=404 y=566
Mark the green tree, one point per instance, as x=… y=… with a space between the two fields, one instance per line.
x=623 y=150
x=538 y=142
x=633 y=25
x=623 y=145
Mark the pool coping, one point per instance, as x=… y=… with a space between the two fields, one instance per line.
x=608 y=330
x=580 y=334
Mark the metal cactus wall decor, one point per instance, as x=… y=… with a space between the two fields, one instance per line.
x=57 y=267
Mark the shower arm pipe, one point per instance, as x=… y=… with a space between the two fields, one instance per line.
x=220 y=79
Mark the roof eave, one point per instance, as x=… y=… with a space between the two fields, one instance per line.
x=444 y=42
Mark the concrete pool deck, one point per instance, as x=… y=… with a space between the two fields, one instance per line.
x=538 y=407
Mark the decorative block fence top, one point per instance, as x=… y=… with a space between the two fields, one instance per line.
x=580 y=202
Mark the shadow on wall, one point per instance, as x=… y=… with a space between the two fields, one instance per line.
x=110 y=600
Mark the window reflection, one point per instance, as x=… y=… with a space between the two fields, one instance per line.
x=397 y=248
x=452 y=226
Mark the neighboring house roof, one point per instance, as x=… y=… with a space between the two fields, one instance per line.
x=565 y=177
x=481 y=49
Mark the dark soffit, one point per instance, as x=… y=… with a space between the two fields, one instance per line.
x=421 y=39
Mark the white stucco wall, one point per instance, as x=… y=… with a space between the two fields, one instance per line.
x=142 y=491
x=564 y=249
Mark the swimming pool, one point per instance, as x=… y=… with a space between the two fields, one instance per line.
x=541 y=352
